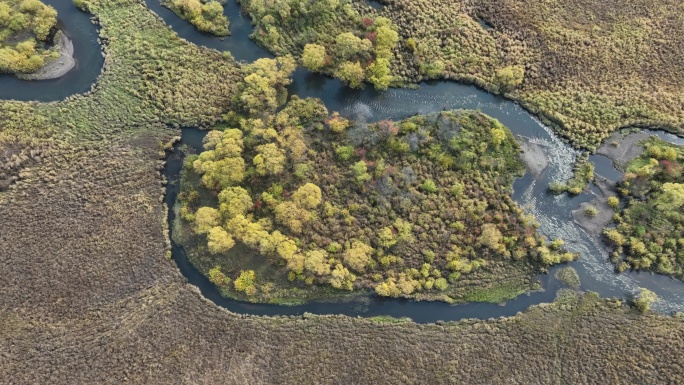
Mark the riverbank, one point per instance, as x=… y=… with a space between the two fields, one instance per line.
x=620 y=149
x=594 y=223
x=58 y=67
x=534 y=155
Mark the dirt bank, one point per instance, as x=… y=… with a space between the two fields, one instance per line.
x=57 y=67
x=594 y=225
x=621 y=149
x=534 y=156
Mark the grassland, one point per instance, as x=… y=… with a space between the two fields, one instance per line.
x=89 y=296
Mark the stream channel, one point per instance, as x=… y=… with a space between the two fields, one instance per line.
x=554 y=213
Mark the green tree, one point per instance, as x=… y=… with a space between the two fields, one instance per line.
x=385 y=40
x=351 y=73
x=344 y=152
x=386 y=237
x=644 y=300
x=379 y=74
x=246 y=282
x=498 y=134
x=264 y=84
x=219 y=241
x=292 y=216
x=313 y=57
x=217 y=277
x=614 y=202
x=337 y=123
x=234 y=201
x=270 y=159
x=388 y=288
x=360 y=171
x=358 y=256
x=347 y=45
x=672 y=196
x=341 y=278
x=308 y=196
x=206 y=218
x=317 y=262
x=510 y=77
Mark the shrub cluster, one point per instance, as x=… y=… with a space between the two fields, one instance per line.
x=334 y=37
x=650 y=229
x=402 y=207
x=206 y=15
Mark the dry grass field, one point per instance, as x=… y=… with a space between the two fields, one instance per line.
x=89 y=297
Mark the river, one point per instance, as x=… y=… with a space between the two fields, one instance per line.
x=554 y=213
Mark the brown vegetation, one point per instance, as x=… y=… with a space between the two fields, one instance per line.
x=89 y=297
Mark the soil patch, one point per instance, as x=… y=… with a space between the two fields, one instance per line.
x=58 y=67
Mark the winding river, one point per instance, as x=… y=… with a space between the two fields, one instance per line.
x=554 y=213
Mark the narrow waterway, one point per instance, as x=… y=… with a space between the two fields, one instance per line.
x=554 y=213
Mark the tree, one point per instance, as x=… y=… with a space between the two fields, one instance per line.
x=385 y=40
x=386 y=237
x=287 y=249
x=358 y=256
x=614 y=202
x=308 y=196
x=264 y=84
x=221 y=173
x=404 y=230
x=498 y=135
x=269 y=160
x=245 y=282
x=347 y=45
x=337 y=123
x=360 y=171
x=379 y=74
x=205 y=219
x=317 y=262
x=342 y=278
x=492 y=238
x=230 y=144
x=269 y=244
x=351 y=73
x=250 y=233
x=388 y=288
x=292 y=216
x=644 y=299
x=221 y=165
x=217 y=277
x=234 y=201
x=344 y=152
x=510 y=77
x=441 y=284
x=313 y=57
x=219 y=241
x=672 y=196
x=296 y=263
